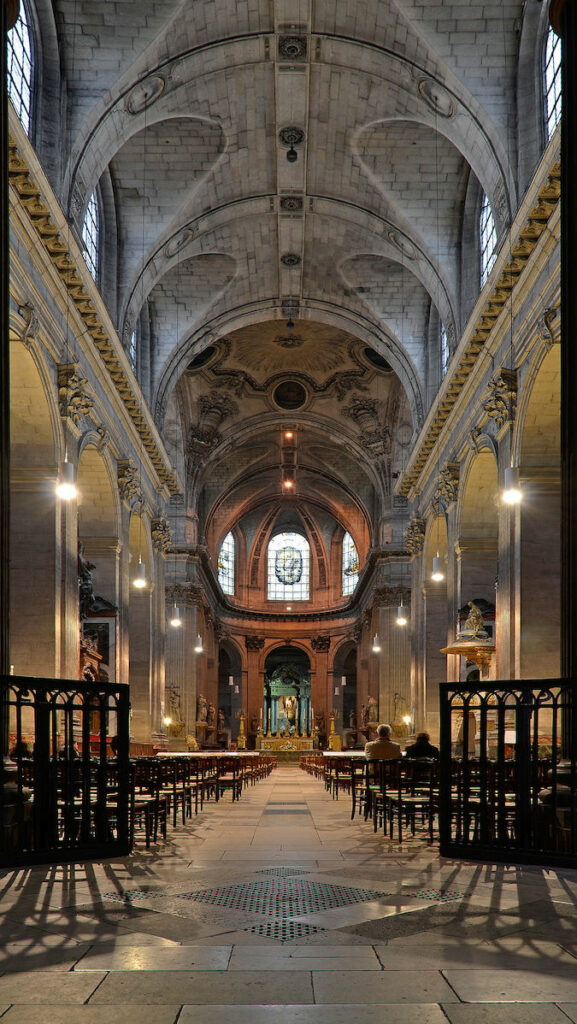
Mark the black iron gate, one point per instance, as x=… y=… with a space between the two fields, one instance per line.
x=508 y=788
x=66 y=794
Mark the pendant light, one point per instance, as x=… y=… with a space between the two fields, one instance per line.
x=401 y=619
x=66 y=486
x=140 y=581
x=438 y=573
x=512 y=493
x=375 y=649
x=175 y=619
x=198 y=649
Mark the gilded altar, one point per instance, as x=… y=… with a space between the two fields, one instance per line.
x=271 y=744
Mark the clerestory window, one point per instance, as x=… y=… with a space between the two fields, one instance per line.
x=350 y=567
x=226 y=564
x=91 y=236
x=552 y=82
x=20 y=68
x=487 y=239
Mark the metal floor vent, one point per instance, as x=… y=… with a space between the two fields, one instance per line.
x=283 y=930
x=283 y=898
x=438 y=895
x=284 y=872
x=134 y=894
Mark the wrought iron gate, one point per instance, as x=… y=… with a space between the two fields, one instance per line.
x=66 y=795
x=508 y=788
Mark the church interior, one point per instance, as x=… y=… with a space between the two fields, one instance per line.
x=285 y=461
x=284 y=304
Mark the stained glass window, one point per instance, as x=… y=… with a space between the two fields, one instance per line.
x=91 y=236
x=350 y=564
x=552 y=72
x=487 y=239
x=20 y=67
x=288 y=568
x=226 y=564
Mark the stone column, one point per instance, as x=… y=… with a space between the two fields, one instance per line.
x=35 y=552
x=435 y=637
x=253 y=699
x=539 y=575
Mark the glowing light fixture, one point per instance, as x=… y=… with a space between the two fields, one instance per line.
x=198 y=646
x=167 y=720
x=231 y=680
x=175 y=619
x=288 y=435
x=512 y=493
x=66 y=487
x=376 y=645
x=407 y=719
x=288 y=484
x=140 y=580
x=401 y=619
x=438 y=572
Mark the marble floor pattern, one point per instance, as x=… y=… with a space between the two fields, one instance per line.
x=280 y=907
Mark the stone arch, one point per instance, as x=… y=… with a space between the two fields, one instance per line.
x=100 y=544
x=478 y=529
x=140 y=628
x=539 y=522
x=36 y=522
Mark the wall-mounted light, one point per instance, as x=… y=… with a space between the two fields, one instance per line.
x=401 y=618
x=438 y=572
x=140 y=580
x=292 y=155
x=198 y=646
x=167 y=720
x=376 y=645
x=512 y=493
x=66 y=486
x=175 y=619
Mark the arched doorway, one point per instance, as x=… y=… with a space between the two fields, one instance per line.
x=229 y=698
x=287 y=692
x=345 y=677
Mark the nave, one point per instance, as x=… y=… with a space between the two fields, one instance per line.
x=279 y=906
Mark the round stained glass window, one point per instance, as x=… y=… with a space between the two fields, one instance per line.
x=289 y=394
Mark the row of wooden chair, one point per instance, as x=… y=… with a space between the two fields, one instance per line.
x=172 y=788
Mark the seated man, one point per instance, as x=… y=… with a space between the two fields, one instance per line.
x=382 y=748
x=422 y=747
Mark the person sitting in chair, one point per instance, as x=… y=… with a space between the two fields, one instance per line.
x=422 y=747
x=383 y=748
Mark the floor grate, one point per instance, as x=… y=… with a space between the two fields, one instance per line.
x=134 y=894
x=284 y=872
x=283 y=930
x=283 y=897
x=438 y=895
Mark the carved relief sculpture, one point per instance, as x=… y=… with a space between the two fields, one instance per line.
x=502 y=401
x=415 y=536
x=73 y=398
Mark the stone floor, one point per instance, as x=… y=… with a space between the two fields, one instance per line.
x=280 y=905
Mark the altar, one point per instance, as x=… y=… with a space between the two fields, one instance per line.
x=274 y=744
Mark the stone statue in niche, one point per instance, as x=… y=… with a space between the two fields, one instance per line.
x=373 y=710
x=201 y=708
x=353 y=719
x=220 y=720
x=211 y=715
x=89 y=603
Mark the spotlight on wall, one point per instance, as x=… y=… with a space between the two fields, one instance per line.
x=140 y=580
x=512 y=493
x=290 y=323
x=66 y=486
x=401 y=619
x=376 y=645
x=438 y=572
x=198 y=648
x=175 y=619
x=289 y=434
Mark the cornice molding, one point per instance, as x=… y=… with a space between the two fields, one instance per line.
x=533 y=223
x=41 y=209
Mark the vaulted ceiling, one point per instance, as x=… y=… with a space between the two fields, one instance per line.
x=392 y=112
